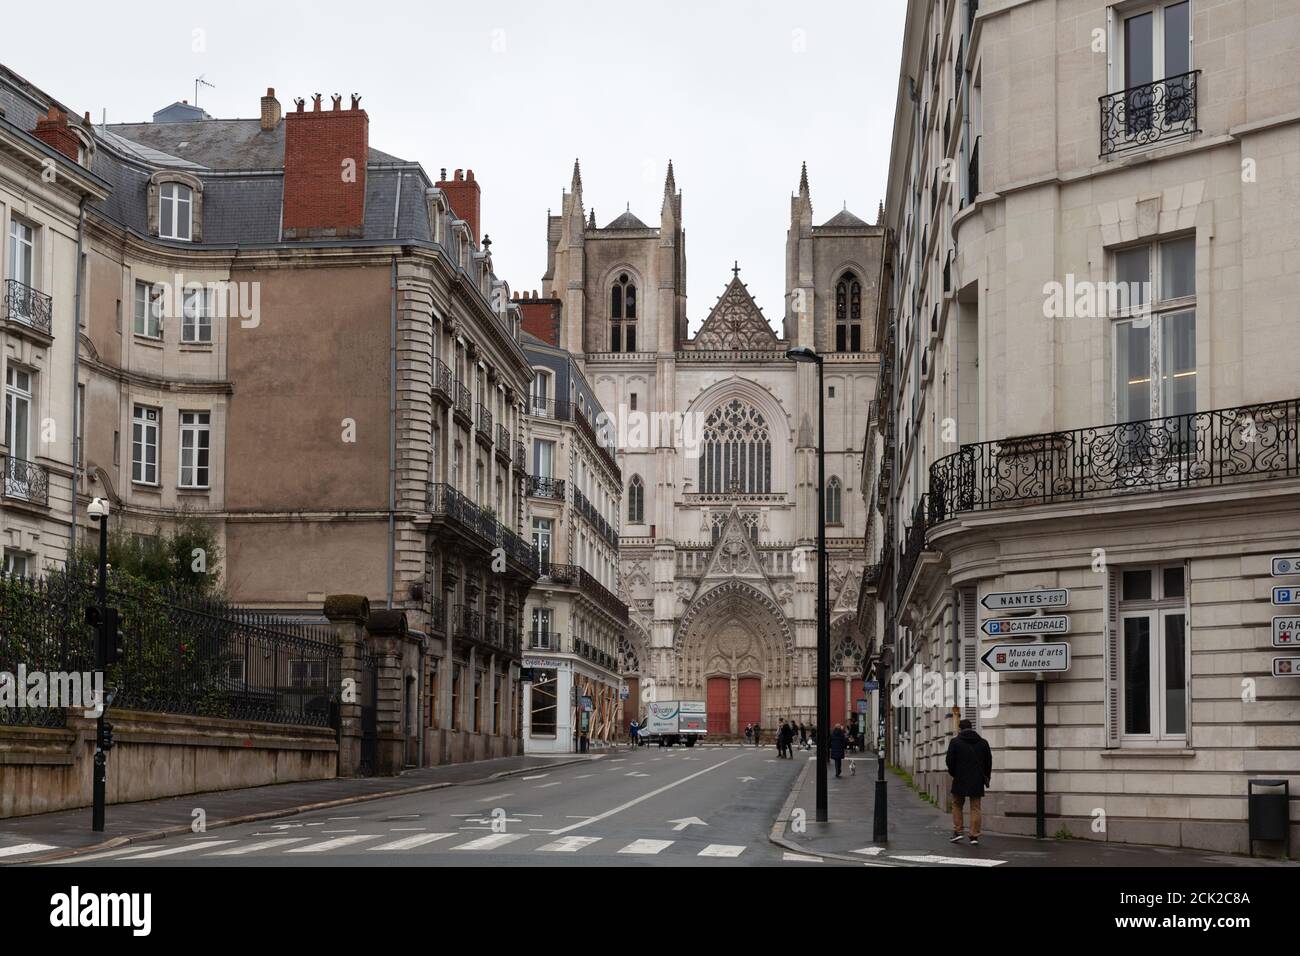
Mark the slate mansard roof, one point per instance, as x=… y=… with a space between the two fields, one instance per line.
x=241 y=167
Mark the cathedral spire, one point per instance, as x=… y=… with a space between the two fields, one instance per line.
x=576 y=185
x=670 y=182
x=591 y=222
x=803 y=180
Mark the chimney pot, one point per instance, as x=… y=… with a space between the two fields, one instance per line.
x=315 y=102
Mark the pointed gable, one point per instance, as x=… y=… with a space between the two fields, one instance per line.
x=734 y=556
x=735 y=323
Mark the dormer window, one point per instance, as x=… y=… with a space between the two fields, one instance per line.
x=176 y=206
x=175 y=211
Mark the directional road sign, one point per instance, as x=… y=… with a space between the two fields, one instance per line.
x=1026 y=600
x=1017 y=626
x=1028 y=658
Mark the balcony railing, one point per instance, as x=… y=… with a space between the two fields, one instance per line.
x=442 y=387
x=593 y=517
x=539 y=487
x=26 y=481
x=503 y=440
x=551 y=408
x=519 y=549
x=572 y=574
x=25 y=306
x=521 y=456
x=464 y=403
x=483 y=424
x=1150 y=113
x=545 y=641
x=438 y=614
x=1225 y=446
x=913 y=544
x=445 y=501
x=468 y=623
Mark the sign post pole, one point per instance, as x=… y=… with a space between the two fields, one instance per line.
x=1040 y=746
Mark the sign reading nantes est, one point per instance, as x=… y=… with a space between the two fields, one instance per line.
x=1026 y=600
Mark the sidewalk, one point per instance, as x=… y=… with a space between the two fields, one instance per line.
x=919 y=832
x=52 y=835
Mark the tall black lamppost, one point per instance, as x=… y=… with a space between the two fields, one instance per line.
x=823 y=604
x=99 y=619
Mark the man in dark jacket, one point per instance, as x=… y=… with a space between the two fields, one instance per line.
x=782 y=740
x=838 y=742
x=970 y=764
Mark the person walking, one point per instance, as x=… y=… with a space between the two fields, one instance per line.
x=633 y=731
x=970 y=764
x=758 y=735
x=803 y=735
x=838 y=743
x=787 y=739
x=749 y=732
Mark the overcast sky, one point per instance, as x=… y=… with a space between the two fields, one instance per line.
x=736 y=93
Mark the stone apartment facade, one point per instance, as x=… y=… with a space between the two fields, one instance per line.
x=575 y=622
x=1094 y=218
x=301 y=339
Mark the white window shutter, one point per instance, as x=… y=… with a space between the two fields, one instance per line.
x=970 y=653
x=1111 y=640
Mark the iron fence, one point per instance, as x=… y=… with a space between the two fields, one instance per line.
x=27 y=306
x=26 y=481
x=1149 y=113
x=180 y=653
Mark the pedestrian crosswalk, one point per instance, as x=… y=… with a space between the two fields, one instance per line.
x=393 y=842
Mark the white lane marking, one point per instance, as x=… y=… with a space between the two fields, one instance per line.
x=411 y=842
x=568 y=844
x=353 y=830
x=499 y=796
x=335 y=844
x=543 y=786
x=25 y=848
x=402 y=816
x=490 y=842
x=950 y=860
x=789 y=857
x=721 y=849
x=746 y=779
x=405 y=829
x=641 y=799
x=95 y=856
x=636 y=773
x=583 y=776
x=254 y=847
x=186 y=848
x=871 y=850
x=536 y=776
x=647 y=847
x=343 y=818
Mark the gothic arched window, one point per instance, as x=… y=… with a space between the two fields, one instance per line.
x=834 y=502
x=737 y=451
x=622 y=315
x=636 y=501
x=848 y=314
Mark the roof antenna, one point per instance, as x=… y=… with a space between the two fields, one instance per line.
x=200 y=81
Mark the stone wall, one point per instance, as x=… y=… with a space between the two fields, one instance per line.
x=155 y=755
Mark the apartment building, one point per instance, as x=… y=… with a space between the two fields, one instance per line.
x=46 y=184
x=1094 y=217
x=575 y=644
x=302 y=339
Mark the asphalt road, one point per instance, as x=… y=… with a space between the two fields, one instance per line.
x=703 y=806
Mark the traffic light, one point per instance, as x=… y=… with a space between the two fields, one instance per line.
x=106 y=626
x=105 y=739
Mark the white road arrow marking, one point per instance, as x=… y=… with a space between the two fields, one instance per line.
x=746 y=779
x=949 y=860
x=685 y=822
x=871 y=850
x=25 y=848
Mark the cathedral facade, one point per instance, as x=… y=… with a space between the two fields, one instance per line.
x=717 y=552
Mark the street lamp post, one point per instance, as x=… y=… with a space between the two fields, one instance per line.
x=98 y=512
x=823 y=604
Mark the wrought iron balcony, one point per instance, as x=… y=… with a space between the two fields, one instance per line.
x=503 y=440
x=483 y=424
x=443 y=384
x=1151 y=113
x=545 y=641
x=26 y=481
x=1225 y=446
x=572 y=574
x=539 y=487
x=521 y=456
x=438 y=614
x=448 y=503
x=468 y=623
x=913 y=544
x=520 y=550
x=23 y=305
x=463 y=408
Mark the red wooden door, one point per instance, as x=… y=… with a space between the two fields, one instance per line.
x=719 y=705
x=837 y=701
x=749 y=703
x=631 y=706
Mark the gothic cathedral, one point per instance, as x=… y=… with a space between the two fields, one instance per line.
x=719 y=529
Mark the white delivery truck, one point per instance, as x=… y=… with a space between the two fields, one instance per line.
x=674 y=721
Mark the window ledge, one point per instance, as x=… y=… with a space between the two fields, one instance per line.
x=146 y=486
x=1149 y=752
x=148 y=341
x=197 y=346
x=203 y=492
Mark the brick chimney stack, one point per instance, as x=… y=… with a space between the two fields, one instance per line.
x=325 y=153
x=270 y=110
x=463 y=194
x=54 y=132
